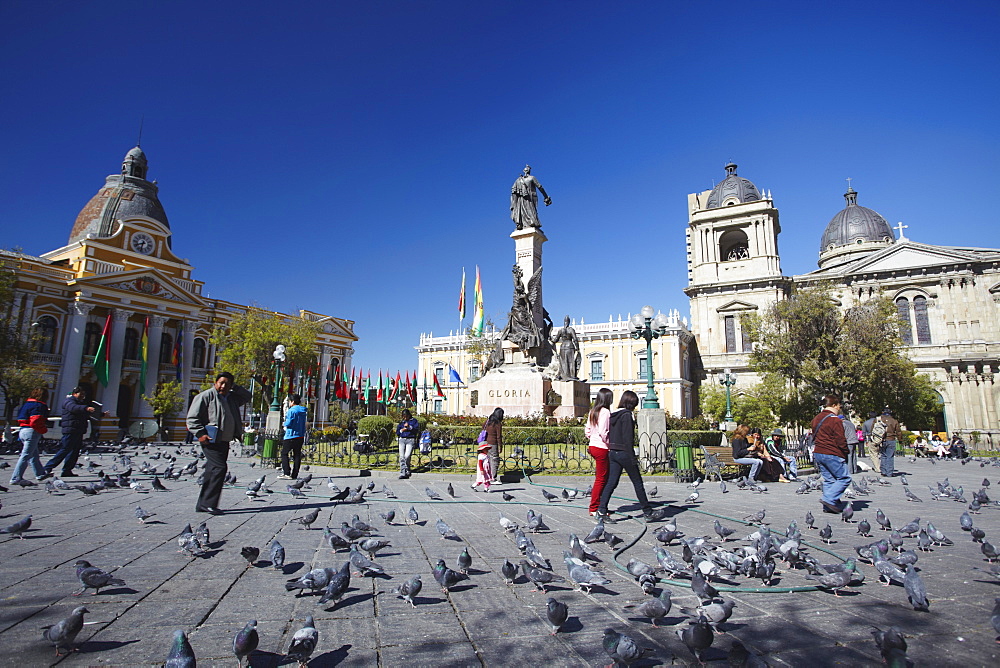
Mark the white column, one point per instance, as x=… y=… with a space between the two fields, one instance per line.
x=69 y=375
x=155 y=334
x=110 y=395
x=29 y=307
x=322 y=406
x=187 y=357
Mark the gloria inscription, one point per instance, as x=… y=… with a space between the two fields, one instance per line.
x=510 y=394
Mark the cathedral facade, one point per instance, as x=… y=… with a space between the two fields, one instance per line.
x=947 y=296
x=120 y=260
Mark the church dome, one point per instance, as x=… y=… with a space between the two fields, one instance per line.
x=732 y=190
x=124 y=195
x=855 y=230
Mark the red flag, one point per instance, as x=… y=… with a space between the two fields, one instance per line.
x=406 y=387
x=380 y=397
x=413 y=388
x=345 y=388
x=437 y=387
x=336 y=383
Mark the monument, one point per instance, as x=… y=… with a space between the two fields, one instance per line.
x=525 y=372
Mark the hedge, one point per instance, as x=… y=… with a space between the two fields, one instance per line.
x=381 y=430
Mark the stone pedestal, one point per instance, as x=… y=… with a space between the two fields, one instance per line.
x=574 y=398
x=517 y=389
x=652 y=427
x=528 y=255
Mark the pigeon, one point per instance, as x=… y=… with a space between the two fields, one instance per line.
x=307 y=520
x=724 y=532
x=277 y=555
x=582 y=576
x=246 y=642
x=464 y=561
x=363 y=565
x=810 y=520
x=740 y=657
x=923 y=541
x=142 y=515
x=432 y=494
x=595 y=534
x=637 y=567
x=622 y=648
x=715 y=612
x=612 y=540
x=351 y=533
x=891 y=645
x=296 y=494
x=910 y=496
x=995 y=616
x=446 y=531
x=557 y=613
x=977 y=534
x=937 y=536
x=883 y=521
x=388 y=516
x=916 y=592
x=965 y=520
x=826 y=533
x=339 y=582
x=701 y=588
x=756 y=518
x=335 y=540
x=722 y=486
x=693 y=497
x=250 y=553
x=834 y=581
x=507 y=497
x=181 y=655
x=94 y=578
x=450 y=490
x=988 y=550
x=847 y=513
x=314 y=580
x=158 y=486
x=412 y=517
x=539 y=577
x=507 y=524
x=886 y=569
x=698 y=637
x=64 y=632
x=372 y=545
x=341 y=495
x=409 y=589
x=18 y=528
x=535 y=522
x=653 y=492
x=654 y=608
x=304 y=642
x=864 y=527
x=446 y=577
x=549 y=496
x=508 y=571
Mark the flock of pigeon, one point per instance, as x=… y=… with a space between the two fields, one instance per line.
x=696 y=562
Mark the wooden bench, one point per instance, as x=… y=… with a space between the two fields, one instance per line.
x=719 y=457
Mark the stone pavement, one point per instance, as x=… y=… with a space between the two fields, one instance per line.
x=483 y=621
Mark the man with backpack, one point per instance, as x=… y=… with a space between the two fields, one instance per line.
x=882 y=434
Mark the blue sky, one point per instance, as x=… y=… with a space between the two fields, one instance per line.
x=351 y=158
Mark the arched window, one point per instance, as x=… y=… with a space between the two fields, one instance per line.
x=905 y=330
x=131 y=344
x=166 y=348
x=91 y=338
x=199 y=354
x=45 y=335
x=733 y=245
x=920 y=315
x=473 y=372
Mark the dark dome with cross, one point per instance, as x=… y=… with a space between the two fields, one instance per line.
x=732 y=190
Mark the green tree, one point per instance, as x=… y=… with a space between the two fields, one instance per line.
x=247 y=345
x=753 y=405
x=819 y=348
x=18 y=373
x=480 y=347
x=166 y=400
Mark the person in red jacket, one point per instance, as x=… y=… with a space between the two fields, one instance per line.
x=831 y=453
x=31 y=419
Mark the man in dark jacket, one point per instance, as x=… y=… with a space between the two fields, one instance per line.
x=831 y=454
x=76 y=413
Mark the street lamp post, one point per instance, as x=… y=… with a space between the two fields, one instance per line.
x=645 y=326
x=727 y=379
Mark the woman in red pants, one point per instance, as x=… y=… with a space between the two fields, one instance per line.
x=598 y=426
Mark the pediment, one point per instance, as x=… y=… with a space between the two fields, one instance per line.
x=336 y=327
x=736 y=306
x=912 y=256
x=144 y=281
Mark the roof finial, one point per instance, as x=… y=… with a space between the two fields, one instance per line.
x=849 y=189
x=139 y=141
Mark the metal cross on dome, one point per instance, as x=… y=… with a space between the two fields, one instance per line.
x=900 y=227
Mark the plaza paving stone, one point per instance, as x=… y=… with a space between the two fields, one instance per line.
x=480 y=622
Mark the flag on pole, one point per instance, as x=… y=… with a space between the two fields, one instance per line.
x=336 y=383
x=379 y=396
x=453 y=375
x=461 y=298
x=437 y=387
x=102 y=358
x=477 y=318
x=345 y=388
x=406 y=386
x=393 y=389
x=175 y=358
x=143 y=355
x=413 y=388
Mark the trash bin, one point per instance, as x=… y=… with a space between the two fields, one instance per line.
x=270 y=452
x=684 y=470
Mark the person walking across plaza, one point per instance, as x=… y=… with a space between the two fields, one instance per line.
x=597 y=430
x=31 y=417
x=851 y=436
x=494 y=436
x=406 y=435
x=295 y=436
x=831 y=454
x=76 y=412
x=887 y=450
x=214 y=419
x=621 y=457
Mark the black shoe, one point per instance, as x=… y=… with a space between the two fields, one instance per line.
x=44 y=476
x=830 y=508
x=70 y=475
x=210 y=511
x=603 y=517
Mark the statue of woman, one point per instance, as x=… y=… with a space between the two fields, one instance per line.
x=569 y=351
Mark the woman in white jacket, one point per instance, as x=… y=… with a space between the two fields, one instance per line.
x=597 y=429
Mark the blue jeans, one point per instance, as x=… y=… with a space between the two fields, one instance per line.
x=887 y=456
x=835 y=476
x=754 y=464
x=29 y=455
x=70 y=451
